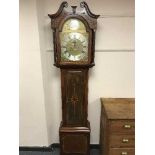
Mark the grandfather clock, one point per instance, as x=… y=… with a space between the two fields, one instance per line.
x=74 y=47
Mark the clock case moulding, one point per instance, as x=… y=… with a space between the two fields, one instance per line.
x=88 y=19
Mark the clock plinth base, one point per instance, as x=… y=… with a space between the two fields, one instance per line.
x=74 y=140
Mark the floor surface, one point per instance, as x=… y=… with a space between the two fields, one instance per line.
x=56 y=151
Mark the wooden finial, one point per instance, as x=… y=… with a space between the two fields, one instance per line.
x=74 y=9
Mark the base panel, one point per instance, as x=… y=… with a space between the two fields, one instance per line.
x=74 y=140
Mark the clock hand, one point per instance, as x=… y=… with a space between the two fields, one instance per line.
x=69 y=54
x=74 y=41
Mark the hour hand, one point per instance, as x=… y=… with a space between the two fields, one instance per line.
x=74 y=44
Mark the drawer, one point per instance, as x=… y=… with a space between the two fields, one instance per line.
x=117 y=141
x=122 y=126
x=124 y=151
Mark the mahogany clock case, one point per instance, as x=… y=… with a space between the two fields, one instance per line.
x=74 y=86
x=75 y=129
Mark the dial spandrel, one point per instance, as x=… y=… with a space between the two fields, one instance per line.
x=74 y=41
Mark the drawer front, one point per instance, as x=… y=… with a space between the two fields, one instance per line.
x=125 y=151
x=122 y=141
x=122 y=126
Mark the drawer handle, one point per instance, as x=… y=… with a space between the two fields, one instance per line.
x=124 y=153
x=125 y=140
x=127 y=126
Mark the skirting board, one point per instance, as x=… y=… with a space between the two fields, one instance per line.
x=49 y=148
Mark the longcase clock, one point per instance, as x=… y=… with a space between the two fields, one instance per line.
x=74 y=47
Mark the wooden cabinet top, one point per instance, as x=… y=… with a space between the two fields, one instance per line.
x=119 y=108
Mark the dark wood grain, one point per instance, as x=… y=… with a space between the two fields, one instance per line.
x=74 y=84
x=117 y=141
x=75 y=140
x=122 y=110
x=117 y=127
x=122 y=151
x=74 y=129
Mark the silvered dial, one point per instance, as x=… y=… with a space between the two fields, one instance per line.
x=74 y=41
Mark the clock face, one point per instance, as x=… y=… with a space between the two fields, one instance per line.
x=74 y=41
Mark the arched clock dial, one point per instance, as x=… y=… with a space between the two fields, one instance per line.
x=74 y=41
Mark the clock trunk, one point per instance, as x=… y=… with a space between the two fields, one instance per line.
x=74 y=84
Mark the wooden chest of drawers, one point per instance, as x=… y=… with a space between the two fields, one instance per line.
x=117 y=127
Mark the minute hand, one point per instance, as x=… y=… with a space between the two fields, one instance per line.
x=74 y=42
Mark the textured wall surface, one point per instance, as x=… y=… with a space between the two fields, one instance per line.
x=32 y=123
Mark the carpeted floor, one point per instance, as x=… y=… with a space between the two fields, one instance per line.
x=56 y=151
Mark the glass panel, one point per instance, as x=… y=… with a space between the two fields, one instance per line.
x=74 y=41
